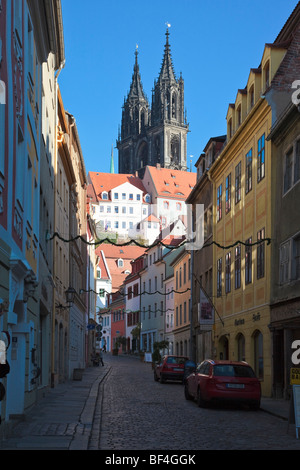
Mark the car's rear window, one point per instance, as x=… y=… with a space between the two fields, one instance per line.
x=176 y=360
x=233 y=371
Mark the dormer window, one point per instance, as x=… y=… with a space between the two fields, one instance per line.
x=239 y=115
x=267 y=76
x=104 y=195
x=252 y=96
x=147 y=198
x=230 y=128
x=120 y=263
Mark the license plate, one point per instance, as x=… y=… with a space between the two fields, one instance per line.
x=235 y=385
x=177 y=370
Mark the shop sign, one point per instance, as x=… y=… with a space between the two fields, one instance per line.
x=295 y=376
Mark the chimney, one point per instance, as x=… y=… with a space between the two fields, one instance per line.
x=158 y=166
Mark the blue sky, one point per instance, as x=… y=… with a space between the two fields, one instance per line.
x=214 y=43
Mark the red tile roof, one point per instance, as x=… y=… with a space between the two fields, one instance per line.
x=112 y=253
x=101 y=182
x=172 y=183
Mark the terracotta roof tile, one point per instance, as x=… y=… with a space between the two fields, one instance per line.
x=107 y=181
x=172 y=183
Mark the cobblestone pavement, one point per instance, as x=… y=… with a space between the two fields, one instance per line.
x=141 y=414
x=119 y=407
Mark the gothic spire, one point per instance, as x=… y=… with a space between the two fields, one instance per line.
x=136 y=87
x=167 y=70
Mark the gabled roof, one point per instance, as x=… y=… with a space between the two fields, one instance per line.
x=105 y=182
x=175 y=184
x=112 y=254
x=103 y=266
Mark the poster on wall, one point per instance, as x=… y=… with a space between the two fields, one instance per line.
x=206 y=311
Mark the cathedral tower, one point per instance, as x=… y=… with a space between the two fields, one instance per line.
x=159 y=135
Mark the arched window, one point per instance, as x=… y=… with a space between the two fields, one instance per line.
x=241 y=347
x=258 y=354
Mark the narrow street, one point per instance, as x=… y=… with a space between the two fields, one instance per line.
x=141 y=414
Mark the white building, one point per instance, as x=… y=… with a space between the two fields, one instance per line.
x=119 y=204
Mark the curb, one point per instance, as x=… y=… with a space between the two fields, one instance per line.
x=82 y=434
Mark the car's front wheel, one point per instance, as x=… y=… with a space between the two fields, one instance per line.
x=200 y=402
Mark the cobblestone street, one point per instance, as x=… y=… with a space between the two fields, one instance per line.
x=139 y=413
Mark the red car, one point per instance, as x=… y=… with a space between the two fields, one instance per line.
x=170 y=368
x=223 y=381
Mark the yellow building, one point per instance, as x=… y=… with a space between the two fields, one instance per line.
x=242 y=219
x=182 y=296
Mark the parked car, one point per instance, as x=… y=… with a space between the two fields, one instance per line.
x=170 y=368
x=223 y=381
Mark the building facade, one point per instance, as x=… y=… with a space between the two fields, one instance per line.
x=27 y=36
x=202 y=258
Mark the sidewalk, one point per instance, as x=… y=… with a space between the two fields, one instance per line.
x=63 y=419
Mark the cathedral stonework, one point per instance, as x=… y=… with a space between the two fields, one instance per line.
x=155 y=134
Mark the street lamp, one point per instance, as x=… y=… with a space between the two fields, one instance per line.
x=70 y=296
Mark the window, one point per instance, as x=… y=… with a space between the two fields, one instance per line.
x=267 y=75
x=239 y=115
x=166 y=205
x=129 y=293
x=131 y=197
x=104 y=195
x=248 y=261
x=248 y=182
x=138 y=197
x=296 y=258
x=228 y=272
x=219 y=203
x=252 y=96
x=261 y=254
x=130 y=210
x=237 y=266
x=228 y=194
x=116 y=209
x=98 y=273
x=219 y=277
x=116 y=224
x=101 y=293
x=261 y=158
x=123 y=210
x=123 y=196
x=291 y=167
x=178 y=206
x=238 y=175
x=120 y=263
x=116 y=196
x=284 y=262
